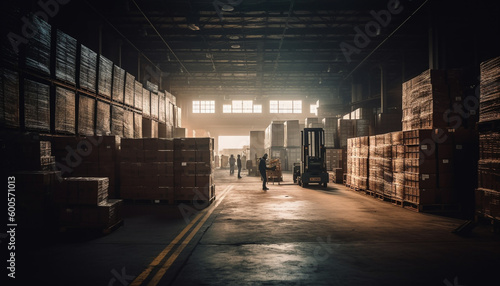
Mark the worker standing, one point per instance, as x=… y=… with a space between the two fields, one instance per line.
x=238 y=164
x=231 y=165
x=262 y=170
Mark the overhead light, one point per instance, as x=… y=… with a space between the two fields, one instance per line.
x=168 y=57
x=193 y=27
x=329 y=69
x=235 y=46
x=227 y=8
x=320 y=82
x=234 y=37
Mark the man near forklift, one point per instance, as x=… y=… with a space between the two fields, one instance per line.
x=262 y=170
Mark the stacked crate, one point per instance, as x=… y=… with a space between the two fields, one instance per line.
x=275 y=139
x=88 y=157
x=398 y=160
x=336 y=158
x=193 y=165
x=357 y=167
x=330 y=127
x=488 y=191
x=386 y=164
x=147 y=169
x=291 y=144
x=376 y=173
x=29 y=164
x=429 y=100
x=83 y=203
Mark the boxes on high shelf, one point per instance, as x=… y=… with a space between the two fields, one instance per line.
x=490 y=90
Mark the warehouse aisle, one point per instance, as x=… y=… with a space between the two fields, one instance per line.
x=285 y=236
x=294 y=236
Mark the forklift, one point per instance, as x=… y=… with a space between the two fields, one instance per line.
x=312 y=168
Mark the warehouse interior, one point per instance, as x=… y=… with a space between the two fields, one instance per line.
x=119 y=120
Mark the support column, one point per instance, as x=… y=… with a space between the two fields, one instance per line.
x=433 y=42
x=383 y=90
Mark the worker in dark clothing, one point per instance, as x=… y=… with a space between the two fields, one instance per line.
x=238 y=164
x=231 y=165
x=262 y=170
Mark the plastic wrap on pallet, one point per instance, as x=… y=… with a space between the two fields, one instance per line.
x=489 y=102
x=103 y=119
x=151 y=87
x=117 y=120
x=138 y=95
x=146 y=102
x=65 y=116
x=36 y=106
x=137 y=125
x=65 y=58
x=86 y=115
x=162 y=116
x=105 y=76
x=489 y=146
x=9 y=98
x=425 y=100
x=88 y=66
x=118 y=83
x=129 y=89
x=38 y=47
x=154 y=105
x=128 y=124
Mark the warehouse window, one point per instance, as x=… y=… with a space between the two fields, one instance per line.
x=237 y=106
x=247 y=106
x=257 y=108
x=203 y=106
x=241 y=106
x=273 y=106
x=285 y=106
x=226 y=108
x=297 y=106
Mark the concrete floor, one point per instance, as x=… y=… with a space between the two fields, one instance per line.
x=285 y=236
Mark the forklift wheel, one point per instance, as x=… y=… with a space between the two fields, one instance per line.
x=304 y=185
x=325 y=185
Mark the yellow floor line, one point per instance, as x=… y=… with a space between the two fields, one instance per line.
x=140 y=279
x=161 y=272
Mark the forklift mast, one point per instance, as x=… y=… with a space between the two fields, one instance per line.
x=313 y=150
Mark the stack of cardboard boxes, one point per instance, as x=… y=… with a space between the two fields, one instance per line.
x=193 y=169
x=357 y=165
x=95 y=156
x=398 y=161
x=146 y=169
x=83 y=203
x=488 y=191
